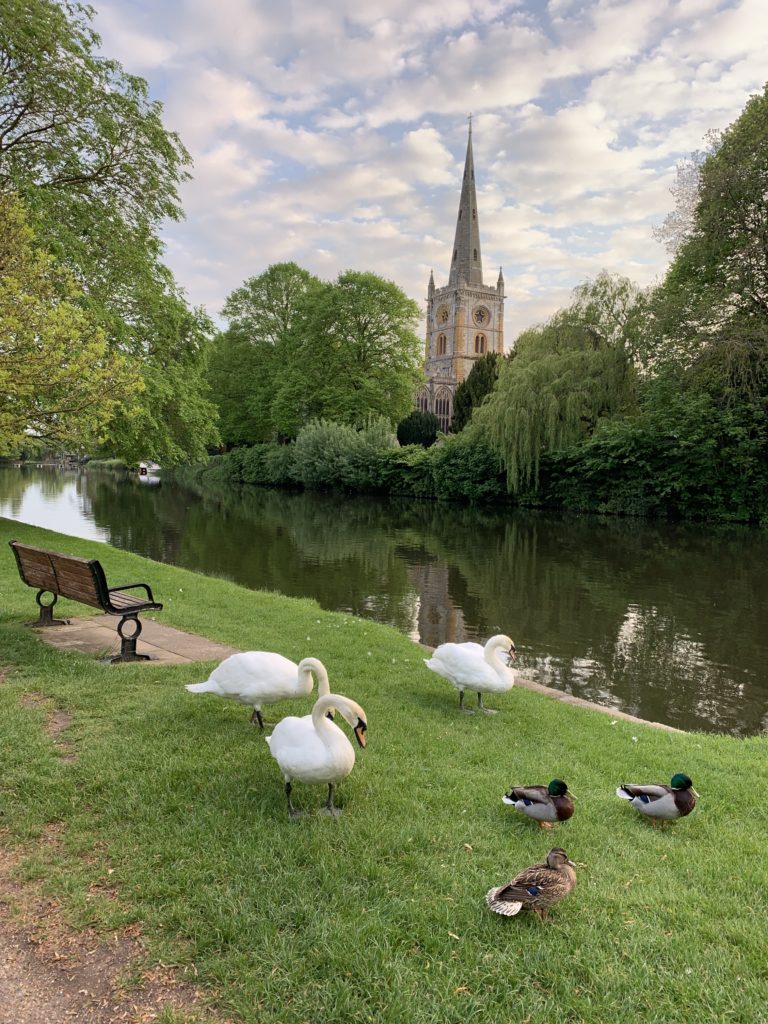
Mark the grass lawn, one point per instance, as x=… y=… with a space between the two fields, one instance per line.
x=174 y=800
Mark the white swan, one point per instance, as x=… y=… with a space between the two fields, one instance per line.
x=257 y=678
x=472 y=667
x=314 y=749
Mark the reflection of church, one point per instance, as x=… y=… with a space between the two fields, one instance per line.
x=465 y=319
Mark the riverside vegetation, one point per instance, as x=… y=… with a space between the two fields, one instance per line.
x=171 y=813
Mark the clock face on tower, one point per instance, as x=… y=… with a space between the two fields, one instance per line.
x=481 y=316
x=442 y=315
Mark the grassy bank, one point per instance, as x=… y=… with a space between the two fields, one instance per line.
x=174 y=802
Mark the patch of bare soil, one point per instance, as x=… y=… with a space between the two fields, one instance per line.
x=56 y=723
x=50 y=974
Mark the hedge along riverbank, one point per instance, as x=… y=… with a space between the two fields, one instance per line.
x=332 y=456
x=624 y=469
x=171 y=817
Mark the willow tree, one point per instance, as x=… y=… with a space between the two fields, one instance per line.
x=566 y=376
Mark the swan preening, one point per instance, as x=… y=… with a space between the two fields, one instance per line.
x=314 y=749
x=257 y=678
x=472 y=667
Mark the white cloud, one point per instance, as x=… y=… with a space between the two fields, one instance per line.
x=334 y=134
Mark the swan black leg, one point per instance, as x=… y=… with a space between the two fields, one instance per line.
x=328 y=805
x=256 y=717
x=467 y=711
x=291 y=809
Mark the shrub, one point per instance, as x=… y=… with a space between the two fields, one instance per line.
x=418 y=428
x=465 y=468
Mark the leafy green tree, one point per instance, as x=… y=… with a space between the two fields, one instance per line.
x=710 y=316
x=176 y=419
x=418 y=428
x=565 y=376
x=681 y=222
x=86 y=150
x=472 y=391
x=353 y=353
x=265 y=308
x=83 y=144
x=59 y=384
x=247 y=358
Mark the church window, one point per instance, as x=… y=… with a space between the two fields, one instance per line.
x=455 y=254
x=475 y=252
x=441 y=344
x=422 y=400
x=480 y=344
x=443 y=409
x=474 y=215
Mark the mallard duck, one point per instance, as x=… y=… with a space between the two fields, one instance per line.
x=472 y=667
x=545 y=804
x=536 y=887
x=314 y=749
x=256 y=678
x=662 y=802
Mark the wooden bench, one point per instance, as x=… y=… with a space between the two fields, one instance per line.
x=83 y=579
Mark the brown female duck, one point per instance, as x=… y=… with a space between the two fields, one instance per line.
x=535 y=888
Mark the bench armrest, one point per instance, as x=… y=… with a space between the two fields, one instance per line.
x=134 y=586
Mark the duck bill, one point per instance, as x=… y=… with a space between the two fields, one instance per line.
x=695 y=793
x=359 y=731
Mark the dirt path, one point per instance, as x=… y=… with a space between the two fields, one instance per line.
x=50 y=974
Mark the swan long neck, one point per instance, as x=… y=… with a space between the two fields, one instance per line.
x=324 y=727
x=492 y=656
x=313 y=665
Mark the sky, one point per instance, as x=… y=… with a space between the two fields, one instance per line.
x=333 y=133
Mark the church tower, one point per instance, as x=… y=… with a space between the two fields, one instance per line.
x=465 y=319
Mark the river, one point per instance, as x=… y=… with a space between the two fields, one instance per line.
x=665 y=621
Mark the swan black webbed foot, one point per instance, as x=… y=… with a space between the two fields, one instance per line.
x=328 y=806
x=465 y=711
x=482 y=707
x=256 y=719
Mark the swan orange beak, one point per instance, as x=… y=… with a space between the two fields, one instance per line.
x=359 y=731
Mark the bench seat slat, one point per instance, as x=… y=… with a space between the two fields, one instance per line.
x=118 y=599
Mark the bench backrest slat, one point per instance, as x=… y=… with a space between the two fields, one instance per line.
x=79 y=579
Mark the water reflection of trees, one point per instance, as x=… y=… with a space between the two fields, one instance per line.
x=660 y=620
x=14 y=483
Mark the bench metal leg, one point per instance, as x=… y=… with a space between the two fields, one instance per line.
x=46 y=611
x=128 y=644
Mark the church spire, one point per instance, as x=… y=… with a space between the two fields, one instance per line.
x=466 y=263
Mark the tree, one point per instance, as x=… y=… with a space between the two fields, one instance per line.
x=351 y=354
x=681 y=222
x=472 y=391
x=418 y=428
x=246 y=358
x=565 y=376
x=58 y=381
x=79 y=136
x=176 y=421
x=265 y=308
x=711 y=313
x=86 y=150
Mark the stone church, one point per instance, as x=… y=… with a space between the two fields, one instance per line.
x=465 y=318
